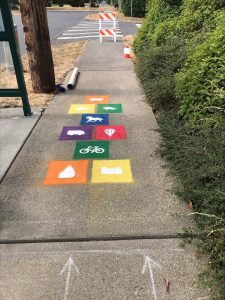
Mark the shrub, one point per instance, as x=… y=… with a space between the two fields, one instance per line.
x=76 y=3
x=197 y=157
x=200 y=85
x=180 y=52
x=93 y=4
x=115 y=3
x=14 y=7
x=61 y=3
x=155 y=68
x=138 y=8
x=160 y=11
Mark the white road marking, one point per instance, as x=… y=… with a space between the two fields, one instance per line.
x=88 y=30
x=93 y=27
x=83 y=33
x=75 y=30
x=69 y=264
x=149 y=263
x=77 y=37
x=82 y=37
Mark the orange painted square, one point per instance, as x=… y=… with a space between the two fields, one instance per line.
x=96 y=99
x=56 y=167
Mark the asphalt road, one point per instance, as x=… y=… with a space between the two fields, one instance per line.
x=59 y=23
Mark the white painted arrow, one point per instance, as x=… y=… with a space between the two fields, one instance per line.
x=149 y=263
x=69 y=265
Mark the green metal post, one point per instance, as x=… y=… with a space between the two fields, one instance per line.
x=9 y=36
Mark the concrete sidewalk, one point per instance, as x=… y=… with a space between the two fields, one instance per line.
x=14 y=130
x=130 y=269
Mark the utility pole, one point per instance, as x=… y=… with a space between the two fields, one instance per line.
x=37 y=40
x=131 y=9
x=120 y=5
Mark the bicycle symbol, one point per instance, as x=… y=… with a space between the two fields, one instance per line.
x=92 y=149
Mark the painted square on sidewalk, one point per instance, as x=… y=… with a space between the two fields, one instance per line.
x=110 y=132
x=82 y=108
x=111 y=171
x=95 y=119
x=66 y=172
x=109 y=108
x=96 y=99
x=74 y=133
x=92 y=149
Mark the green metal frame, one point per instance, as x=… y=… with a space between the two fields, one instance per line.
x=9 y=36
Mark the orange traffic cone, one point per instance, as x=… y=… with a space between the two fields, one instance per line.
x=127 y=52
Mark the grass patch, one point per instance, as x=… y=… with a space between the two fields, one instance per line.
x=64 y=57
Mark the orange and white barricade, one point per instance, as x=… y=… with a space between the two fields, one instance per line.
x=109 y=19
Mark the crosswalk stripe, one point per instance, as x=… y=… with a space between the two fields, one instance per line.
x=81 y=33
x=83 y=37
x=92 y=27
x=87 y=30
x=78 y=27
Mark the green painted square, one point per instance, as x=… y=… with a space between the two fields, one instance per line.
x=110 y=108
x=92 y=149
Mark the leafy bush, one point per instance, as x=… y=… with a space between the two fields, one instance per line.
x=76 y=3
x=197 y=158
x=14 y=7
x=160 y=11
x=180 y=52
x=138 y=8
x=61 y=3
x=115 y=3
x=93 y=4
x=200 y=85
x=156 y=68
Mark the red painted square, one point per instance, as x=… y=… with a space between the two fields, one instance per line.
x=110 y=132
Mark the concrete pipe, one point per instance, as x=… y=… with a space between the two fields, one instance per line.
x=73 y=78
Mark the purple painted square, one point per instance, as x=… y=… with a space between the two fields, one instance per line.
x=76 y=133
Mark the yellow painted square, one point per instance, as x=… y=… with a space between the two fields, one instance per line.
x=111 y=171
x=82 y=109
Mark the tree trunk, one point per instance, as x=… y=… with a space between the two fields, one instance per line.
x=35 y=27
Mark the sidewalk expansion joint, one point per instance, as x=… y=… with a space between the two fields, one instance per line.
x=92 y=239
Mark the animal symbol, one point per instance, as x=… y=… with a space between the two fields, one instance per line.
x=93 y=120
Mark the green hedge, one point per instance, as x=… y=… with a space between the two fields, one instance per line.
x=200 y=85
x=180 y=52
x=196 y=24
x=75 y=3
x=139 y=8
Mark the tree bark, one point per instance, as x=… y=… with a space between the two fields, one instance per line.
x=37 y=40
